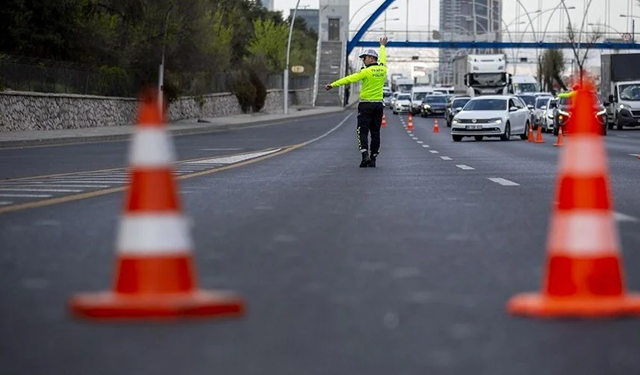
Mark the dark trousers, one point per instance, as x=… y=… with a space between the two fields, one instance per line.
x=369 y=121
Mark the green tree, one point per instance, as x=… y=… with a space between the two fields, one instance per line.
x=270 y=42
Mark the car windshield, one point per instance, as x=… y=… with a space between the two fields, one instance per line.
x=527 y=99
x=460 y=102
x=541 y=102
x=436 y=99
x=486 y=105
x=526 y=87
x=419 y=95
x=553 y=103
x=568 y=100
x=404 y=97
x=630 y=92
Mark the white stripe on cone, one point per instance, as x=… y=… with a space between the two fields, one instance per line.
x=151 y=148
x=153 y=234
x=584 y=233
x=584 y=156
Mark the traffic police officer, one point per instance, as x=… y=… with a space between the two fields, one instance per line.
x=370 y=109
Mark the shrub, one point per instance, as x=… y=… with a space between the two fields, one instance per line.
x=261 y=92
x=245 y=91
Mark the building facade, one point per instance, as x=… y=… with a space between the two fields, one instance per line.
x=466 y=20
x=310 y=16
x=269 y=4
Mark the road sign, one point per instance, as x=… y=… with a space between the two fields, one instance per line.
x=626 y=37
x=297 y=69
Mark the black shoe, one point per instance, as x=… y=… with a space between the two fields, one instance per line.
x=372 y=163
x=365 y=159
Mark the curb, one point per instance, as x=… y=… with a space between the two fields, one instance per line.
x=173 y=132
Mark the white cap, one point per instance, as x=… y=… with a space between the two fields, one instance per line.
x=369 y=52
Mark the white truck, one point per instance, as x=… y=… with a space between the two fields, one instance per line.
x=403 y=84
x=477 y=75
x=620 y=89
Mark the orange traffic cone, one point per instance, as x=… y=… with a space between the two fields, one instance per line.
x=584 y=273
x=410 y=122
x=384 y=121
x=436 y=128
x=539 y=135
x=530 y=138
x=560 y=140
x=155 y=276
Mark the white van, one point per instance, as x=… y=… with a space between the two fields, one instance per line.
x=524 y=85
x=418 y=93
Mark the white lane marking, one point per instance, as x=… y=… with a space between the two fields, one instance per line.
x=4 y=203
x=330 y=131
x=445 y=158
x=636 y=155
x=38 y=185
x=425 y=146
x=91 y=181
x=42 y=190
x=503 y=182
x=465 y=167
x=419 y=142
x=219 y=149
x=433 y=151
x=234 y=158
x=622 y=217
x=415 y=138
x=623 y=136
x=25 y=195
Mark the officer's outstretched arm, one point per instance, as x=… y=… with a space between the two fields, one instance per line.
x=355 y=77
x=382 y=56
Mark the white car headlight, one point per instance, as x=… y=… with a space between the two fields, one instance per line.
x=454 y=121
x=624 y=106
x=496 y=120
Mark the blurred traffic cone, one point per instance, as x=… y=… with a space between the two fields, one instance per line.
x=155 y=276
x=559 y=141
x=539 y=135
x=530 y=136
x=384 y=121
x=436 y=128
x=584 y=273
x=410 y=121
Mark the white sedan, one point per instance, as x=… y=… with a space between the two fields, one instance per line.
x=492 y=116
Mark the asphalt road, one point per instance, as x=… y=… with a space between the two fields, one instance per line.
x=401 y=269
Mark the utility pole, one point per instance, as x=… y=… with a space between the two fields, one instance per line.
x=286 y=69
x=407 y=20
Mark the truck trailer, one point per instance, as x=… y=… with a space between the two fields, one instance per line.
x=620 y=89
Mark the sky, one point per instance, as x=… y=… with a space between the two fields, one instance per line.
x=418 y=10
x=605 y=12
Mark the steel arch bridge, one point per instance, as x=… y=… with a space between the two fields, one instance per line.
x=358 y=42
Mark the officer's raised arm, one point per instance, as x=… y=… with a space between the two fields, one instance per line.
x=382 y=58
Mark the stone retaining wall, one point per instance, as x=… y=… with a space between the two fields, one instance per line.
x=42 y=111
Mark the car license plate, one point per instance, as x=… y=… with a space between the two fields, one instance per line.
x=474 y=127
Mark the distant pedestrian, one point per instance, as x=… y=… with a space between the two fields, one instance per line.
x=370 y=108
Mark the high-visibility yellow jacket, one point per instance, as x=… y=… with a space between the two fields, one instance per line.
x=372 y=77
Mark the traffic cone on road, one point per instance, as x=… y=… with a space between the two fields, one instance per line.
x=410 y=122
x=155 y=275
x=530 y=137
x=436 y=128
x=384 y=121
x=560 y=140
x=539 y=138
x=584 y=272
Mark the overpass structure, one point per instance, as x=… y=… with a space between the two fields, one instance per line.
x=357 y=40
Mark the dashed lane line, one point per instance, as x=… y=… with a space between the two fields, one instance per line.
x=622 y=217
x=445 y=158
x=465 y=167
x=434 y=152
x=503 y=181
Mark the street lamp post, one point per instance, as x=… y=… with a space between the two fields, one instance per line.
x=286 y=69
x=161 y=68
x=633 y=26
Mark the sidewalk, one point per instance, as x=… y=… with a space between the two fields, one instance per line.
x=182 y=127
